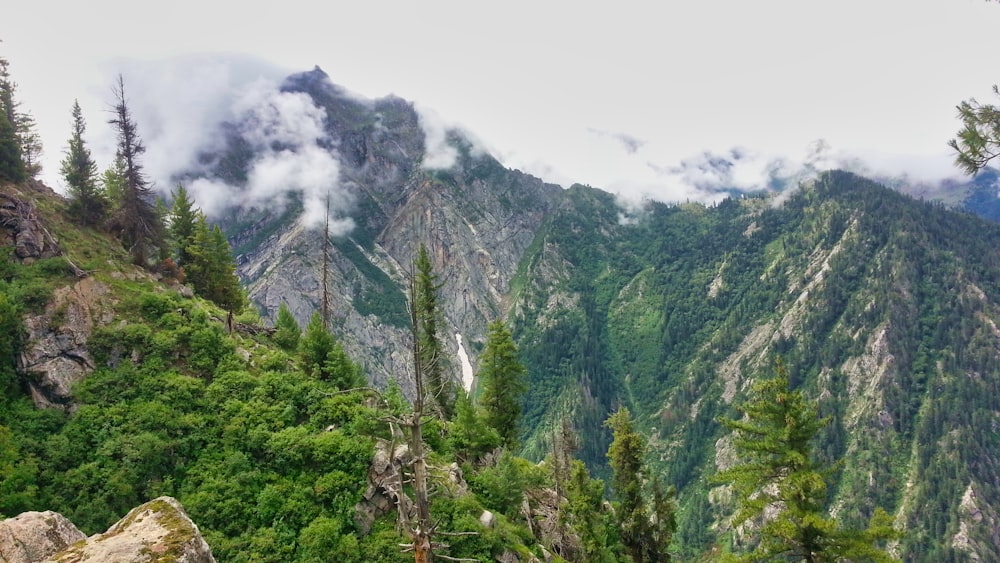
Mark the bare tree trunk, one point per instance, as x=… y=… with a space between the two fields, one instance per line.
x=421 y=534
x=326 y=267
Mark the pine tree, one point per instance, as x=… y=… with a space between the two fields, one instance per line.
x=471 y=437
x=589 y=518
x=439 y=389
x=287 y=330
x=11 y=164
x=645 y=532
x=134 y=219
x=87 y=202
x=113 y=184
x=978 y=142
x=323 y=357
x=502 y=379
x=28 y=141
x=182 y=226
x=211 y=269
x=315 y=346
x=778 y=472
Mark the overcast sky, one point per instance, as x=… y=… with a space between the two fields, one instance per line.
x=626 y=96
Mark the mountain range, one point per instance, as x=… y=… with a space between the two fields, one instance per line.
x=882 y=306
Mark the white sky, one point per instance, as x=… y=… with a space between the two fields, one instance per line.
x=549 y=86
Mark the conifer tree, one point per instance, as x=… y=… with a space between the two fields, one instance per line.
x=183 y=225
x=778 y=473
x=502 y=378
x=439 y=389
x=26 y=136
x=287 y=330
x=645 y=532
x=134 y=219
x=471 y=436
x=211 y=269
x=30 y=142
x=11 y=163
x=87 y=201
x=978 y=142
x=113 y=183
x=323 y=357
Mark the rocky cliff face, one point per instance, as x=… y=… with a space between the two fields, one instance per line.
x=476 y=218
x=158 y=531
x=56 y=355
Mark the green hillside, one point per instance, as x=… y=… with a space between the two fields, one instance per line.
x=270 y=459
x=883 y=309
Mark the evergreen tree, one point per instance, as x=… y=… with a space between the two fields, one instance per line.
x=134 y=219
x=323 y=357
x=315 y=346
x=778 y=471
x=589 y=518
x=645 y=532
x=11 y=164
x=439 y=389
x=978 y=142
x=113 y=183
x=87 y=202
x=28 y=141
x=471 y=437
x=502 y=377
x=211 y=269
x=287 y=329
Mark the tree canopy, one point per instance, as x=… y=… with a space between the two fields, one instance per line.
x=782 y=489
x=978 y=142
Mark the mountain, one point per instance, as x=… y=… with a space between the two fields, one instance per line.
x=882 y=307
x=476 y=218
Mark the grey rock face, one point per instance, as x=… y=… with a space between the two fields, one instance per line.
x=477 y=219
x=35 y=536
x=56 y=355
x=21 y=228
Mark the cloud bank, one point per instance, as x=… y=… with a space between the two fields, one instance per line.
x=181 y=106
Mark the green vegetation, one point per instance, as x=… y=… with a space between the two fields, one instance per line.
x=267 y=447
x=88 y=203
x=673 y=313
x=646 y=528
x=777 y=470
x=502 y=380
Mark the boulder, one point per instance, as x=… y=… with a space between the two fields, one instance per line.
x=35 y=536
x=158 y=531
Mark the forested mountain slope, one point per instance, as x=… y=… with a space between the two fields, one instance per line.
x=883 y=308
x=118 y=385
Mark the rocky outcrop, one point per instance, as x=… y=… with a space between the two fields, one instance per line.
x=21 y=228
x=158 y=531
x=36 y=536
x=384 y=479
x=55 y=355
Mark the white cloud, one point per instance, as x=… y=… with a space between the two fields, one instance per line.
x=286 y=131
x=438 y=153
